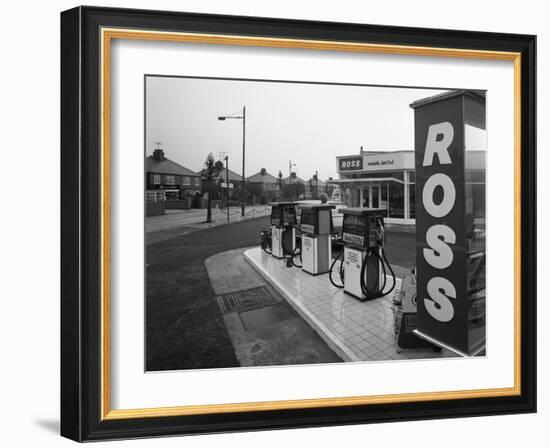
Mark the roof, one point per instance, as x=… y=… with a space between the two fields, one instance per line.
x=477 y=94
x=369 y=152
x=233 y=176
x=314 y=181
x=293 y=180
x=262 y=178
x=166 y=166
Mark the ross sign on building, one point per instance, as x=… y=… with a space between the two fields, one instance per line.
x=450 y=219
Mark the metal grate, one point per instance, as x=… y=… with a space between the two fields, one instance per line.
x=245 y=300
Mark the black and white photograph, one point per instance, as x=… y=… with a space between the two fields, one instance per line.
x=272 y=223
x=295 y=223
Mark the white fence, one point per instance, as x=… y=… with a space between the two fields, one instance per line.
x=155 y=195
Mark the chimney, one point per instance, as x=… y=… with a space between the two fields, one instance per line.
x=158 y=154
x=263 y=171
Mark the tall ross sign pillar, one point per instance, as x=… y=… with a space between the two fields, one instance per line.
x=450 y=143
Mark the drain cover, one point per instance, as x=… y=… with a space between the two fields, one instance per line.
x=245 y=300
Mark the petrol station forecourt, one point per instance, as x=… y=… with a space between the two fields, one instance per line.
x=333 y=275
x=214 y=264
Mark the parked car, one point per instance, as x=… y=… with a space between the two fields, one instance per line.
x=337 y=217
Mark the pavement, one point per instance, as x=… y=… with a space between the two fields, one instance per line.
x=263 y=334
x=197 y=217
x=357 y=331
x=180 y=222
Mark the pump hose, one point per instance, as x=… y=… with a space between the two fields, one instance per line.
x=265 y=244
x=296 y=253
x=286 y=251
x=391 y=271
x=378 y=289
x=341 y=270
x=377 y=292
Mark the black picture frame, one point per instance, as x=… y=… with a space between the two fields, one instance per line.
x=81 y=209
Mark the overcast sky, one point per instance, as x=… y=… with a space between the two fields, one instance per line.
x=309 y=124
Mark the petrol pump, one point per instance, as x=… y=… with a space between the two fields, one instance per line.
x=316 y=229
x=283 y=233
x=363 y=264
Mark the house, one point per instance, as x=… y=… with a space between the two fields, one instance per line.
x=263 y=187
x=219 y=183
x=172 y=179
x=315 y=187
x=294 y=188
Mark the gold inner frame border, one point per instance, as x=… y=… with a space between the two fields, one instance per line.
x=107 y=35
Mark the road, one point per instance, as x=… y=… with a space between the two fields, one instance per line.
x=185 y=328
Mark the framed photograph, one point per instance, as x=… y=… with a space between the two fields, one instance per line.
x=273 y=223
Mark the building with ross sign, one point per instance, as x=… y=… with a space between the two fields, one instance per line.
x=386 y=180
x=379 y=179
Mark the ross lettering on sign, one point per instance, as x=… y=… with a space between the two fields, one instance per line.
x=351 y=164
x=440 y=254
x=449 y=195
x=439 y=305
x=439 y=146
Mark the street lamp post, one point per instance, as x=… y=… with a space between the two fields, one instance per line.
x=243 y=118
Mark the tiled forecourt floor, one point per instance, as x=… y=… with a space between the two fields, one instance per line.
x=357 y=331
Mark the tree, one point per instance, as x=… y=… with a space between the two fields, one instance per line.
x=208 y=172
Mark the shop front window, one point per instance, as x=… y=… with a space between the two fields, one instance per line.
x=375 y=202
x=396 y=200
x=384 y=197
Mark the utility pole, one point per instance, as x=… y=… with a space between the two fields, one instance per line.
x=316 y=184
x=290 y=165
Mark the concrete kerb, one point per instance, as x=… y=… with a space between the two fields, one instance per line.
x=336 y=345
